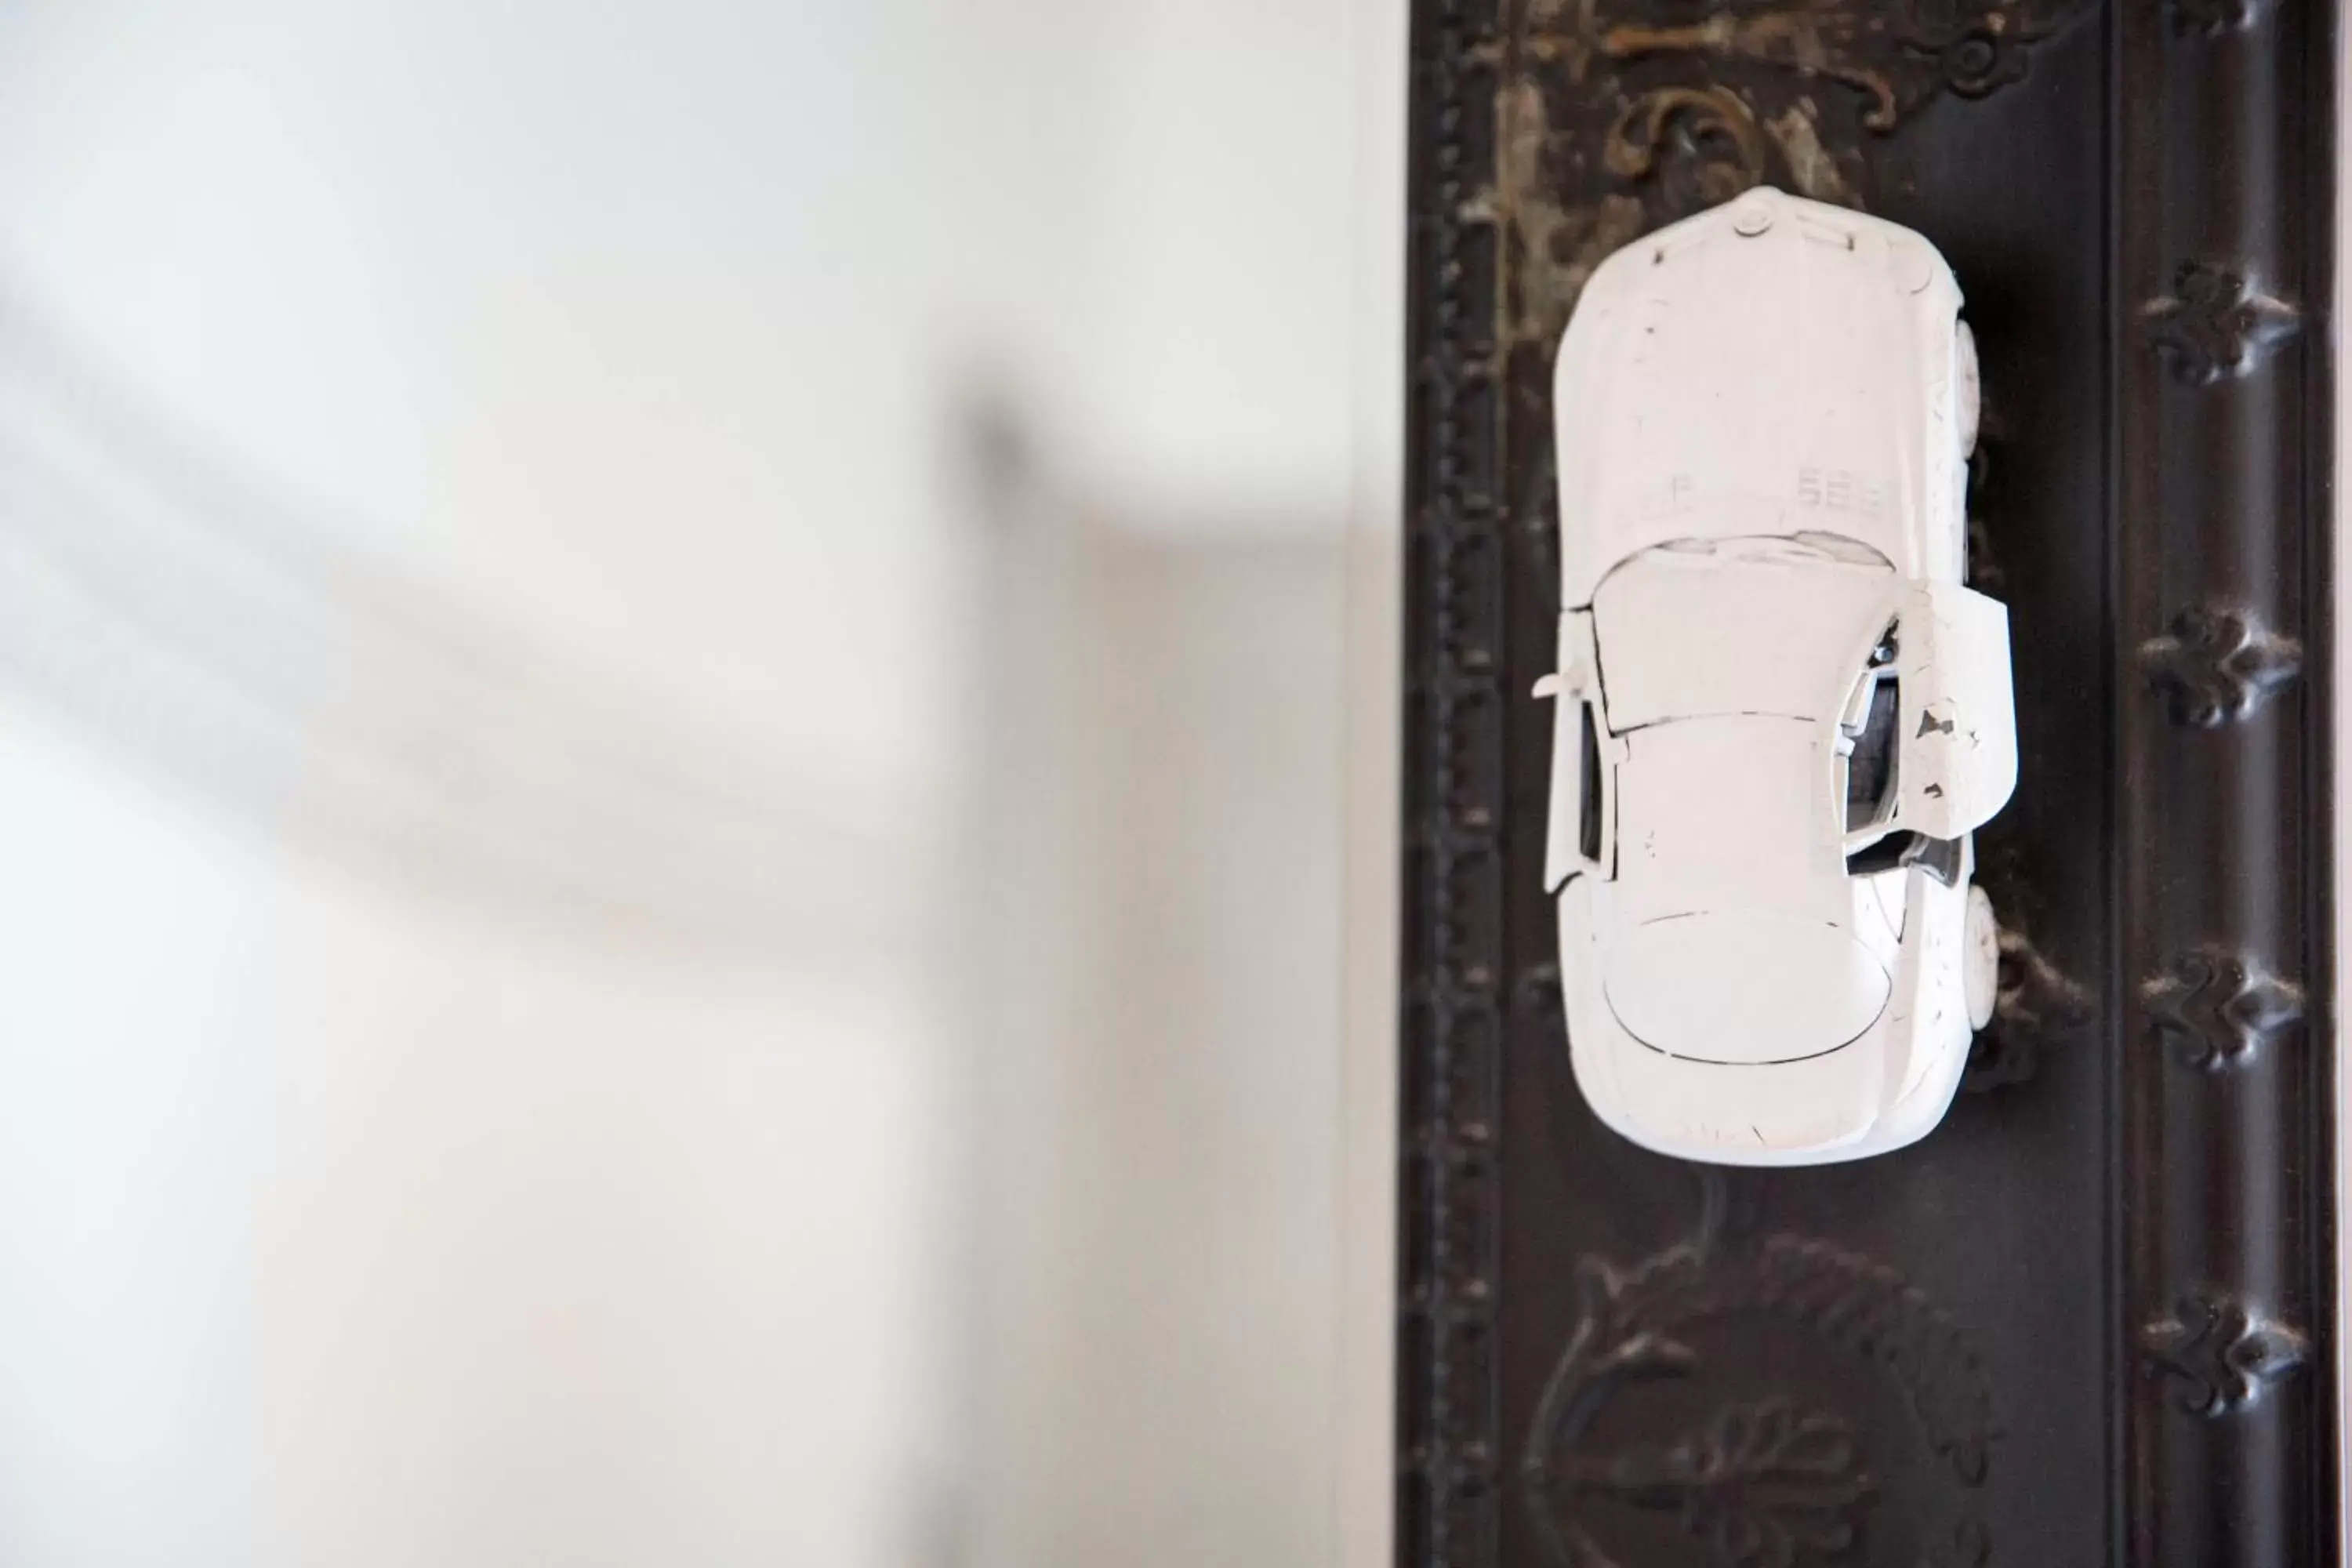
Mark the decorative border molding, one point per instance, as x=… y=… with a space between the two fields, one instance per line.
x=1452 y=962
x=2221 y=457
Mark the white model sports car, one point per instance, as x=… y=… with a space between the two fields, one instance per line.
x=1780 y=715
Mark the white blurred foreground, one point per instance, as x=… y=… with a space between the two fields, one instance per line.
x=695 y=741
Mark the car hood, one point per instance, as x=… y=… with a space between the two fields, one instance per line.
x=1712 y=383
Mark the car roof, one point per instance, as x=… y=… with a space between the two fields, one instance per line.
x=1766 y=627
x=1729 y=812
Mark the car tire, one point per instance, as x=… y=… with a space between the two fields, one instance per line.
x=1969 y=388
x=1980 y=978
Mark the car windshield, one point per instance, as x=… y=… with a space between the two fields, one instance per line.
x=1772 y=627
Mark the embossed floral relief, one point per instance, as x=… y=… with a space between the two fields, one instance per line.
x=1778 y=1481
x=2216 y=323
x=2220 y=1008
x=1764 y=1486
x=2218 y=665
x=2211 y=18
x=2221 y=1351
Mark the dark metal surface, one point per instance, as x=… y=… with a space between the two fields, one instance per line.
x=2091 y=1319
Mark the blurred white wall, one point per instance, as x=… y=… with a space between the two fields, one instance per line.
x=507 y=700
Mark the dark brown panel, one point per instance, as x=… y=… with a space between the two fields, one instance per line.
x=2091 y=1319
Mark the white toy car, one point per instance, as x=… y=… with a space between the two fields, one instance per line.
x=1780 y=715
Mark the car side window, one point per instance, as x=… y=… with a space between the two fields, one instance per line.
x=1867 y=739
x=1870 y=766
x=1587 y=827
x=1583 y=815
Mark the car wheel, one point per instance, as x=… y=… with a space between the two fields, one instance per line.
x=1980 y=983
x=1969 y=388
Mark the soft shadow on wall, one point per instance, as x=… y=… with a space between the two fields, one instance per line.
x=1158 y=938
x=213 y=621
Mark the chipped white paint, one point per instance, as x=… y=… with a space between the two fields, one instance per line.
x=1780 y=716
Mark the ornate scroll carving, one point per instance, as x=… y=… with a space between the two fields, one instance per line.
x=1896 y=56
x=1687 y=112
x=2219 y=665
x=2218 y=1007
x=2223 y=1350
x=2216 y=323
x=2035 y=1005
x=1701 y=142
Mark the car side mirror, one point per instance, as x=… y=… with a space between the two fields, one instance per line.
x=1957 y=762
